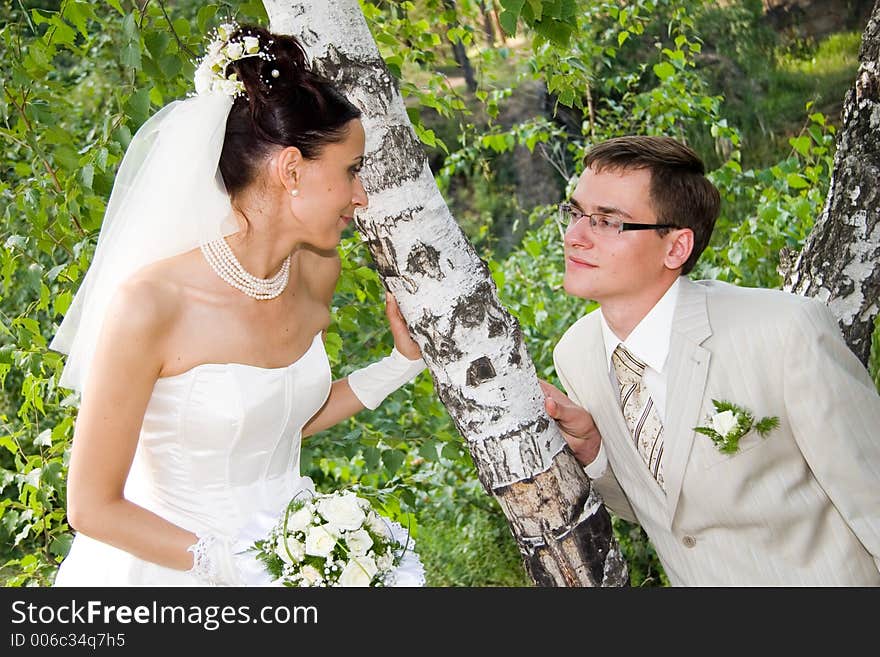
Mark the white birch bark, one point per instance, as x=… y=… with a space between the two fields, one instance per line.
x=840 y=263
x=473 y=347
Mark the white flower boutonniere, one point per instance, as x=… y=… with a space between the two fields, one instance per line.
x=732 y=422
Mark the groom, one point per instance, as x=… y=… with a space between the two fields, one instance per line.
x=798 y=505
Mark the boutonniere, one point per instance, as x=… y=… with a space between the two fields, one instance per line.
x=732 y=422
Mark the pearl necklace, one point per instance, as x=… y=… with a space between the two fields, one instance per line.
x=224 y=263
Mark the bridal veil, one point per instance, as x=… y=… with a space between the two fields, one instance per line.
x=168 y=198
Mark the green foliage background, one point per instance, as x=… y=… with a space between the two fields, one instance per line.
x=80 y=77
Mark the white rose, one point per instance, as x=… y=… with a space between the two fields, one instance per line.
x=385 y=561
x=297 y=522
x=342 y=510
x=203 y=78
x=293 y=553
x=724 y=422
x=224 y=30
x=358 y=572
x=311 y=575
x=377 y=525
x=234 y=50
x=251 y=45
x=359 y=542
x=320 y=541
x=229 y=87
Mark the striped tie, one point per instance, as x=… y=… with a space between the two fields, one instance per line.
x=638 y=410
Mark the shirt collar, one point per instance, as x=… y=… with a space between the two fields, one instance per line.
x=649 y=340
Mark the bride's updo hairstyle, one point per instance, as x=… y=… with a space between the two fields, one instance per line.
x=285 y=104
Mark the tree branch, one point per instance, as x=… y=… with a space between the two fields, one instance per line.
x=180 y=44
x=34 y=145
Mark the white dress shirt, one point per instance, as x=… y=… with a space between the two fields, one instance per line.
x=649 y=342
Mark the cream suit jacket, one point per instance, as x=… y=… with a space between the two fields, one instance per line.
x=799 y=507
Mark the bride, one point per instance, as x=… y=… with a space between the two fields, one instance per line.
x=196 y=336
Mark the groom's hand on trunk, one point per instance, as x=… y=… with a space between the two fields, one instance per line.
x=574 y=422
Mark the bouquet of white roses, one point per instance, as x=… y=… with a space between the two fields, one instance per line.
x=338 y=539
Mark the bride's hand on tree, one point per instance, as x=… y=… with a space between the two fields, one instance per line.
x=402 y=340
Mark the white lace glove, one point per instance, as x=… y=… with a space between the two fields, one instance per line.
x=214 y=563
x=373 y=383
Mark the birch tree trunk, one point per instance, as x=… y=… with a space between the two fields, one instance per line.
x=840 y=263
x=488 y=26
x=473 y=347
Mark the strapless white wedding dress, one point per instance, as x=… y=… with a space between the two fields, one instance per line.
x=218 y=453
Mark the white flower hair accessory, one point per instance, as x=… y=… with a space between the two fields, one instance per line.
x=211 y=75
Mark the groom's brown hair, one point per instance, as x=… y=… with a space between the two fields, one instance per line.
x=680 y=192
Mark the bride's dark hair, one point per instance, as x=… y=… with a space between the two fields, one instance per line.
x=295 y=108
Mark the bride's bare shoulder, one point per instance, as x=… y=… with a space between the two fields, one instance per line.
x=152 y=298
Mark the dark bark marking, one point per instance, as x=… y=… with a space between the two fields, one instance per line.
x=388 y=222
x=532 y=429
x=439 y=348
x=464 y=406
x=385 y=256
x=400 y=158
x=474 y=309
x=469 y=311
x=536 y=569
x=592 y=536
x=479 y=371
x=424 y=259
x=496 y=327
x=370 y=75
x=515 y=357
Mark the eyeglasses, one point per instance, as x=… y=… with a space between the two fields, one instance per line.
x=603 y=224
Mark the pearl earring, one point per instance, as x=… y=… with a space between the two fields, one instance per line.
x=294 y=192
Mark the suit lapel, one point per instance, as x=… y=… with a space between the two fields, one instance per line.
x=688 y=367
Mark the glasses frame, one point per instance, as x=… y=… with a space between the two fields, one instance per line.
x=571 y=211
